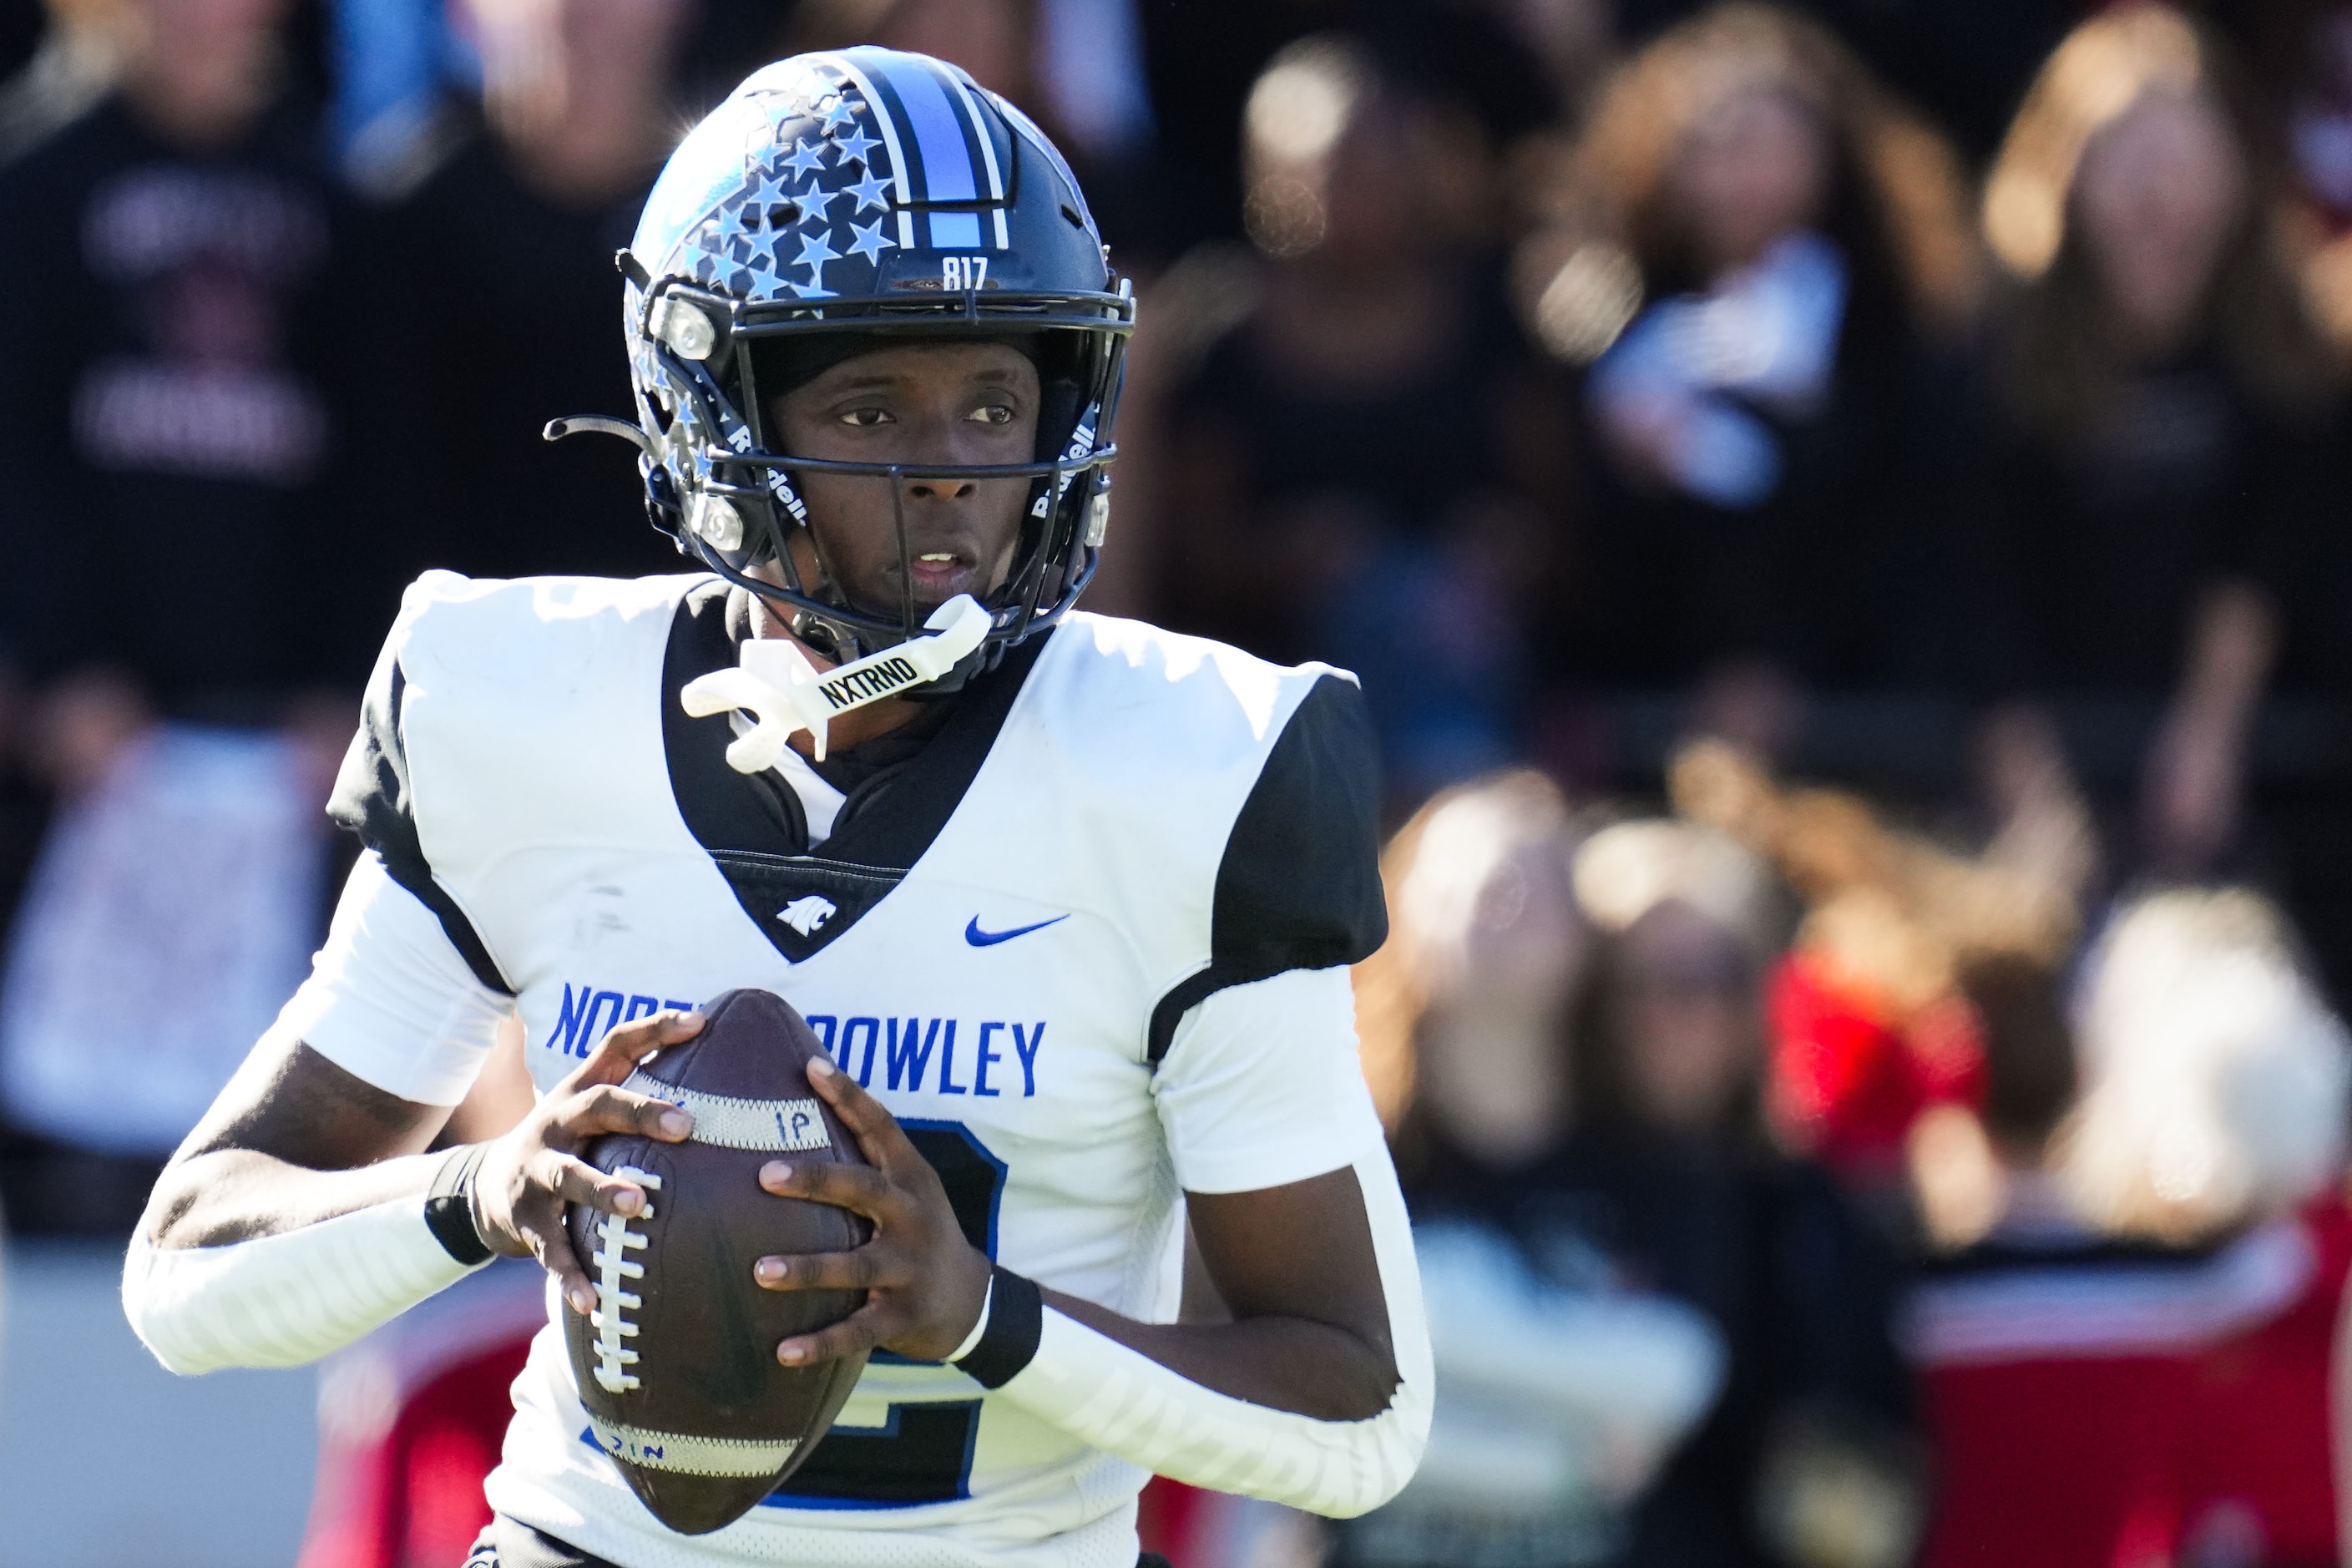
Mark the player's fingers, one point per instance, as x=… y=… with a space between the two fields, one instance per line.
x=855 y=1335
x=628 y=1044
x=553 y=1247
x=573 y=1181
x=602 y=1108
x=878 y=1134
x=857 y=1188
x=866 y=1269
x=539 y=1227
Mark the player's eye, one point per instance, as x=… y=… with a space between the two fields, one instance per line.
x=866 y=418
x=991 y=414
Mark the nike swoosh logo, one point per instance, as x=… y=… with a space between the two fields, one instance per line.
x=978 y=937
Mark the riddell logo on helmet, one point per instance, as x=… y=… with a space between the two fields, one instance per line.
x=779 y=483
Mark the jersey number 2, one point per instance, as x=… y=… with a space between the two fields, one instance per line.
x=923 y=1453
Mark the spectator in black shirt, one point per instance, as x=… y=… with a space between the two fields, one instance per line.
x=185 y=588
x=2159 y=510
x=171 y=414
x=1659 y=1341
x=1760 y=254
x=1362 y=464
x=498 y=308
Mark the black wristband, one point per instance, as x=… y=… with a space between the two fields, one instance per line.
x=1017 y=1321
x=449 y=1206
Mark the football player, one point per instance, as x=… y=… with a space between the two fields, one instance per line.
x=1069 y=899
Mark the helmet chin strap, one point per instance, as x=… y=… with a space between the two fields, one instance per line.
x=774 y=681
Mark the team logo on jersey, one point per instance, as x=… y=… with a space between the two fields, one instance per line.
x=801 y=903
x=805 y=915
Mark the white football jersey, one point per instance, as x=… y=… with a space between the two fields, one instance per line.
x=1087 y=940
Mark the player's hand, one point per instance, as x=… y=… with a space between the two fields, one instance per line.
x=924 y=1282
x=531 y=1174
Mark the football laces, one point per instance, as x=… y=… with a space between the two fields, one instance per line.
x=615 y=1268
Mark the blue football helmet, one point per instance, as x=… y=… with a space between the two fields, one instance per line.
x=881 y=193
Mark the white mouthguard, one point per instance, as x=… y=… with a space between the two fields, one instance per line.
x=775 y=683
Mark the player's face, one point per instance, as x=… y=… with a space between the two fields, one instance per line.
x=939 y=403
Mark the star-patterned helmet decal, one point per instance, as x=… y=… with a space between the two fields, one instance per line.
x=761 y=199
x=872 y=194
x=813 y=169
x=807 y=156
x=814 y=253
x=869 y=242
x=763 y=250
x=825 y=177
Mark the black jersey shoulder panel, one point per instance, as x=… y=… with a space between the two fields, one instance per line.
x=373 y=800
x=1299 y=884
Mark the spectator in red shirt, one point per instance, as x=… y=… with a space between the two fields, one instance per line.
x=2214 y=1113
x=2131 y=1367
x=1867 y=1028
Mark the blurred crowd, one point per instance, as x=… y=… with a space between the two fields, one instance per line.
x=1941 y=403
x=1793 y=1188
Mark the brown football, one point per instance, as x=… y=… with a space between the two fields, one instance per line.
x=677 y=1364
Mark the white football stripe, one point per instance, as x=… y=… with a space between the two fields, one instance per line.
x=2067 y=1310
x=691 y=1455
x=763 y=1126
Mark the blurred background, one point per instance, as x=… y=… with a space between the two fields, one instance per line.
x=1840 y=513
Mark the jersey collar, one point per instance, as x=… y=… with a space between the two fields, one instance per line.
x=751 y=825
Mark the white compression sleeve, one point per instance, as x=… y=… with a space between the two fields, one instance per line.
x=284 y=1299
x=1125 y=1403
